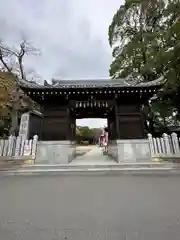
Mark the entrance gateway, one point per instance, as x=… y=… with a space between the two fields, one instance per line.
x=62 y=102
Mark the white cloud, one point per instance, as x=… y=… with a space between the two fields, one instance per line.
x=72 y=35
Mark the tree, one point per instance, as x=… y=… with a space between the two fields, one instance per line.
x=84 y=133
x=12 y=58
x=145 y=38
x=13 y=70
x=13 y=101
x=136 y=35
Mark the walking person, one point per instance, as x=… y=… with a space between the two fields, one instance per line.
x=105 y=139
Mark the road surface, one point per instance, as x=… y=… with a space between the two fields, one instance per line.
x=90 y=207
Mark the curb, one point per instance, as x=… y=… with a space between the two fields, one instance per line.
x=39 y=172
x=96 y=165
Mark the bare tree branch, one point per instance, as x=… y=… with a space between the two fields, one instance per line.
x=16 y=55
x=4 y=63
x=3 y=54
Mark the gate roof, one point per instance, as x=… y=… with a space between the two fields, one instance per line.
x=99 y=83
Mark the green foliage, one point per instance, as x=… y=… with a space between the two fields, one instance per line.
x=145 y=39
x=84 y=133
x=137 y=28
x=145 y=36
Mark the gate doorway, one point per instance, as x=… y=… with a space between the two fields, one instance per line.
x=89 y=130
x=88 y=142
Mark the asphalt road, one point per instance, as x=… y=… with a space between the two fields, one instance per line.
x=90 y=207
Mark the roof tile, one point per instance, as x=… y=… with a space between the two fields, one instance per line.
x=99 y=83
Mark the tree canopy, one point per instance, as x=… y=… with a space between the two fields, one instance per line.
x=84 y=133
x=145 y=37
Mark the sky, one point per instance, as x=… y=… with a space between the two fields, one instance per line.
x=72 y=36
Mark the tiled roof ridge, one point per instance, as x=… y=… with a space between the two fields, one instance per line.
x=92 y=83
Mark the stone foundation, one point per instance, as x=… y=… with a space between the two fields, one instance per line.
x=112 y=149
x=132 y=150
x=55 y=152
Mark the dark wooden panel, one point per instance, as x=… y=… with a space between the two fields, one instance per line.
x=112 y=129
x=35 y=126
x=55 y=129
x=127 y=109
x=51 y=120
x=56 y=123
x=130 y=127
x=72 y=129
x=56 y=112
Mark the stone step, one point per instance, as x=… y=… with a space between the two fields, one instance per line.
x=96 y=166
x=87 y=171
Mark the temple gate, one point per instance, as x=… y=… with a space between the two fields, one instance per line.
x=62 y=102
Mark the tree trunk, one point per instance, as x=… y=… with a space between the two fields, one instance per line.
x=21 y=69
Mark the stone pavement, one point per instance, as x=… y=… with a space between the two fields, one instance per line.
x=93 y=157
x=81 y=150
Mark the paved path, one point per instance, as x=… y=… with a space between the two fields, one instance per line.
x=94 y=156
x=90 y=208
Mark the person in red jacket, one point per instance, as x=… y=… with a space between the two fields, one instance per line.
x=105 y=139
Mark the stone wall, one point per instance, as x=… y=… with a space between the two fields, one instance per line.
x=144 y=150
x=113 y=150
x=55 y=152
x=133 y=150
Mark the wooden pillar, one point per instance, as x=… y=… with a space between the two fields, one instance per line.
x=72 y=128
x=109 y=127
x=112 y=126
x=114 y=129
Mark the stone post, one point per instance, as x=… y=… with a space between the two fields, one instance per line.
x=155 y=146
x=1 y=147
x=27 y=147
x=175 y=142
x=5 y=150
x=150 y=138
x=163 y=145
x=166 y=143
x=22 y=146
x=159 y=145
x=18 y=146
x=34 y=146
x=24 y=126
x=11 y=145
